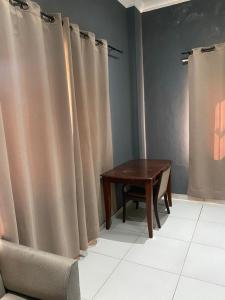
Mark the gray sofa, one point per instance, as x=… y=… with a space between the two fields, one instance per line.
x=26 y=273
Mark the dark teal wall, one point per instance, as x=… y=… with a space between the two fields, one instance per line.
x=135 y=46
x=131 y=13
x=108 y=19
x=166 y=33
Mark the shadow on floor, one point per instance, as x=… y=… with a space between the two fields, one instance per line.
x=135 y=225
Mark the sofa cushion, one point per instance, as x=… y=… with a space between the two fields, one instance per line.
x=38 y=274
x=10 y=296
x=2 y=289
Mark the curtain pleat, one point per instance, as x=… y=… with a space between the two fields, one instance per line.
x=87 y=66
x=8 y=222
x=207 y=123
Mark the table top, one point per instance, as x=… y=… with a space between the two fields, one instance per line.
x=140 y=169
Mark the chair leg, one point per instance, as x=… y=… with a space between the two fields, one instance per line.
x=137 y=204
x=155 y=203
x=167 y=203
x=124 y=208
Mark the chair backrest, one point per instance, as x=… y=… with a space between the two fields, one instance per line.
x=164 y=182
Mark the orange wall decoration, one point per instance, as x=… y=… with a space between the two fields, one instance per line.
x=219 y=134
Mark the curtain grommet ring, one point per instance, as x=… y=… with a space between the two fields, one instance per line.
x=208 y=49
x=47 y=18
x=84 y=35
x=21 y=4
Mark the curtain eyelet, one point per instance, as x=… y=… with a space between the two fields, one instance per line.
x=47 y=18
x=21 y=4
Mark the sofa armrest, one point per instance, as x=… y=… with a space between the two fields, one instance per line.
x=38 y=274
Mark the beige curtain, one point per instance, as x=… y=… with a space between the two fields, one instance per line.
x=207 y=123
x=49 y=167
x=87 y=71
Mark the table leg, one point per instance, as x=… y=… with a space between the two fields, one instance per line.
x=149 y=205
x=169 y=192
x=107 y=200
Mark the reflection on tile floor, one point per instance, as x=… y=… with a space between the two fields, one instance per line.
x=184 y=261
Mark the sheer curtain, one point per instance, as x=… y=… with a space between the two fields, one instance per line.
x=207 y=123
x=49 y=167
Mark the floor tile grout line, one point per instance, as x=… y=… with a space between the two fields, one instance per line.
x=180 y=218
x=213 y=222
x=203 y=201
x=190 y=200
x=108 y=278
x=205 y=281
x=185 y=218
x=118 y=258
x=134 y=243
x=197 y=220
x=187 y=253
x=168 y=237
x=118 y=263
x=187 y=241
x=150 y=267
x=207 y=245
x=141 y=235
x=106 y=255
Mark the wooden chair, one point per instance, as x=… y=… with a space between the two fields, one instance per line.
x=137 y=194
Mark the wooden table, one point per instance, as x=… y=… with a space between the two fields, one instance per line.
x=141 y=171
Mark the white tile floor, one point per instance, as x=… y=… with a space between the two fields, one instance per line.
x=184 y=261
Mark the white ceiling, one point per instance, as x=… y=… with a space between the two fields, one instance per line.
x=146 y=5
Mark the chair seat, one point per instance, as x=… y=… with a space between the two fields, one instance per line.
x=136 y=191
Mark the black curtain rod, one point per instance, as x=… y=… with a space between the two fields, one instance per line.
x=208 y=49
x=99 y=42
x=48 y=18
x=190 y=52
